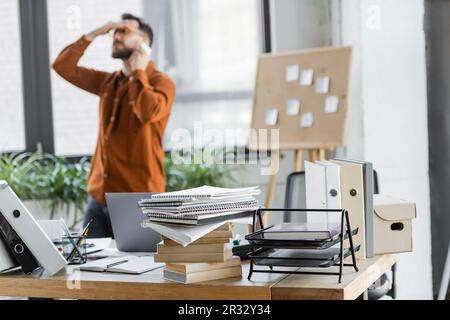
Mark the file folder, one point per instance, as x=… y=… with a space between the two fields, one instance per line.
x=367 y=168
x=29 y=231
x=352 y=191
x=316 y=198
x=333 y=188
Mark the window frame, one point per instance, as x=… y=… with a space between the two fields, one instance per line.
x=37 y=97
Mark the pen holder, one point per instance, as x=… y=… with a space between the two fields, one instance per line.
x=74 y=249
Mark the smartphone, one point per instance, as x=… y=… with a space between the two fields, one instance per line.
x=146 y=48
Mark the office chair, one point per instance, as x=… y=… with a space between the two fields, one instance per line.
x=295 y=197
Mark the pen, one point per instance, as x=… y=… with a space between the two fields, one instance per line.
x=68 y=235
x=83 y=234
x=116 y=263
x=95 y=251
x=86 y=229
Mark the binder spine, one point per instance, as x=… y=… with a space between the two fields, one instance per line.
x=17 y=247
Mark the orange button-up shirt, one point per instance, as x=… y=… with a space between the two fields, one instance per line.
x=133 y=115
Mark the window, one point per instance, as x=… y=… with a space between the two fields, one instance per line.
x=12 y=133
x=75 y=112
x=209 y=48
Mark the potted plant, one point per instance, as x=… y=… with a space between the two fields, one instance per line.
x=53 y=187
x=50 y=186
x=185 y=176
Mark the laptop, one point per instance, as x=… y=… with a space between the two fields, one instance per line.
x=126 y=218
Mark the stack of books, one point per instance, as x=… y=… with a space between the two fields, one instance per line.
x=195 y=227
x=200 y=205
x=208 y=258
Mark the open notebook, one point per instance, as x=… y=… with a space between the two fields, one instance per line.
x=124 y=264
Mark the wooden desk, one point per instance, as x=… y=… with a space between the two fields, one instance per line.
x=316 y=287
x=93 y=285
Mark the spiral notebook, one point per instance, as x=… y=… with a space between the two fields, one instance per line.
x=199 y=219
x=201 y=208
x=147 y=204
x=205 y=193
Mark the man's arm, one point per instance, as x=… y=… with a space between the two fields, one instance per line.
x=66 y=64
x=151 y=102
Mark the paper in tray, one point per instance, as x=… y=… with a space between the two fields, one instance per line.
x=259 y=239
x=299 y=257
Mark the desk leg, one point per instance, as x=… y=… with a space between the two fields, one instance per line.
x=394 y=282
x=365 y=295
x=251 y=270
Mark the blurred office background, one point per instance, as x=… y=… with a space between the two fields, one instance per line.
x=210 y=49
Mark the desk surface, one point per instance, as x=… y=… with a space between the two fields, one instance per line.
x=73 y=284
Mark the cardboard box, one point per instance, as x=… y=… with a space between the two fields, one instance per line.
x=392 y=224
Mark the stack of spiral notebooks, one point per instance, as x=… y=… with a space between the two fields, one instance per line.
x=302 y=245
x=200 y=205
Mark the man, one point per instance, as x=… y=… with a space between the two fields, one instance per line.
x=135 y=105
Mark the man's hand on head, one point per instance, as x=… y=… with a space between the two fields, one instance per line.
x=139 y=59
x=103 y=30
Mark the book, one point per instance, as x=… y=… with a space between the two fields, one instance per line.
x=194 y=257
x=201 y=219
x=225 y=227
x=223 y=230
x=198 y=211
x=199 y=206
x=124 y=264
x=191 y=267
x=230 y=272
x=218 y=234
x=302 y=231
x=194 y=248
x=214 y=234
x=168 y=242
x=206 y=192
x=185 y=235
x=94 y=245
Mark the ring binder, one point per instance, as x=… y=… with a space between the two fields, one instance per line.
x=311 y=253
x=17 y=247
x=29 y=231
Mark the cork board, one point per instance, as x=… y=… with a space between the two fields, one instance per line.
x=292 y=94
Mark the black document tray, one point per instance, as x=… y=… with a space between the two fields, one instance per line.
x=299 y=257
x=257 y=239
x=304 y=253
